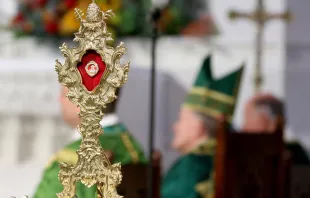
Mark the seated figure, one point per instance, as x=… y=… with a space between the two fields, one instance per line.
x=194 y=134
x=260 y=115
x=115 y=139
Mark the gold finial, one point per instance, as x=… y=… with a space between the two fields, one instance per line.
x=93 y=13
x=92 y=71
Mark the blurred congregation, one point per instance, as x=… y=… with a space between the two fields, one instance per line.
x=230 y=100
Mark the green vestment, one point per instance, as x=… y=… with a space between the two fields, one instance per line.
x=115 y=138
x=192 y=175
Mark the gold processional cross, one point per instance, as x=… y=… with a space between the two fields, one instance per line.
x=260 y=17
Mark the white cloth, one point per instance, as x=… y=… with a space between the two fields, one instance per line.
x=108 y=120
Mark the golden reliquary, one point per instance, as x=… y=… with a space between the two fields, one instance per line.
x=92 y=71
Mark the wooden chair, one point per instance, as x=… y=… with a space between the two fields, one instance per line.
x=135 y=179
x=300 y=181
x=250 y=165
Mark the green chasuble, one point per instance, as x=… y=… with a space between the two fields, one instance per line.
x=298 y=153
x=192 y=175
x=115 y=138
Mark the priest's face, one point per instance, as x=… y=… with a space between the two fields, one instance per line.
x=188 y=130
x=256 y=119
x=69 y=110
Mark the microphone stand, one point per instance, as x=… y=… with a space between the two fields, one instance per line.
x=155 y=17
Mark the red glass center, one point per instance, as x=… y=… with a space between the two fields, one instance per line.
x=91 y=82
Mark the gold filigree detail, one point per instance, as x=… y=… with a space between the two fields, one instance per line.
x=130 y=148
x=93 y=167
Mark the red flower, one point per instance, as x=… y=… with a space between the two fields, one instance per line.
x=41 y=3
x=18 y=18
x=51 y=27
x=70 y=3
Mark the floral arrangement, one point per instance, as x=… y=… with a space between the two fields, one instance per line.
x=55 y=18
x=46 y=18
x=187 y=17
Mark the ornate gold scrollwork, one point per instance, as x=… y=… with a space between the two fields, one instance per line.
x=93 y=167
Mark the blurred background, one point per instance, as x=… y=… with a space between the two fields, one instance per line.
x=31 y=126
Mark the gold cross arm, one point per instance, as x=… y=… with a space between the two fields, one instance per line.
x=287 y=16
x=260 y=16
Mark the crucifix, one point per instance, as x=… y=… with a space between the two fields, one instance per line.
x=260 y=17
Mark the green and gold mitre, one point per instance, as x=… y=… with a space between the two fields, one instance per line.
x=214 y=97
